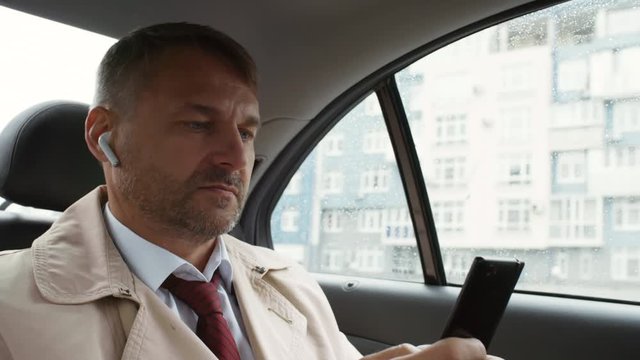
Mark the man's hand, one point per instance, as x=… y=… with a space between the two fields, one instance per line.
x=446 y=349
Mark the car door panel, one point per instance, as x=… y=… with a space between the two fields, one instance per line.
x=378 y=313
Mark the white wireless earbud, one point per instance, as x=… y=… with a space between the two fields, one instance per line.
x=103 y=142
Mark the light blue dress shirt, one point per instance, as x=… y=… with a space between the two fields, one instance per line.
x=153 y=264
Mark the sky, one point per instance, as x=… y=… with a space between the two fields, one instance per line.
x=43 y=60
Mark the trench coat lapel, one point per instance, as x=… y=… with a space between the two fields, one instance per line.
x=157 y=333
x=274 y=327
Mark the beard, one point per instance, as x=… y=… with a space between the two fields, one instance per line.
x=165 y=200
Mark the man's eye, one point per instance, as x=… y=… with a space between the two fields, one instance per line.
x=246 y=135
x=198 y=125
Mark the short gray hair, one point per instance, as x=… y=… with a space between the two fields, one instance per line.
x=128 y=61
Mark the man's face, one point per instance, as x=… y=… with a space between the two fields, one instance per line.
x=187 y=150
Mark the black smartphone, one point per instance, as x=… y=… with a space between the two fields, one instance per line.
x=483 y=299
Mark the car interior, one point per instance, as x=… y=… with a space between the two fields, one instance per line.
x=378 y=120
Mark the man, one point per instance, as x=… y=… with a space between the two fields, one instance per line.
x=143 y=268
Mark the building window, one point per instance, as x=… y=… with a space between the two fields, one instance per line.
x=333 y=144
x=368 y=260
x=515 y=168
x=572 y=218
x=451 y=129
x=403 y=260
x=623 y=75
x=577 y=113
x=586 y=266
x=449 y=215
x=622 y=156
x=622 y=21
x=560 y=269
x=289 y=220
x=399 y=225
x=577 y=27
x=332 y=221
x=332 y=260
x=570 y=167
x=625 y=263
x=633 y=268
x=515 y=125
x=332 y=182
x=514 y=215
x=376 y=142
x=371 y=220
x=573 y=75
x=525 y=33
x=375 y=180
x=449 y=171
x=625 y=117
x=457 y=264
x=295 y=184
x=626 y=214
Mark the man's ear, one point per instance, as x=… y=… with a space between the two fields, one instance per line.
x=97 y=129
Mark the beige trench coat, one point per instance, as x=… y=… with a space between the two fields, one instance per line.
x=71 y=296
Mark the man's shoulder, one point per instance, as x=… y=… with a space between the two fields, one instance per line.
x=281 y=269
x=259 y=255
x=12 y=261
x=16 y=270
x=11 y=252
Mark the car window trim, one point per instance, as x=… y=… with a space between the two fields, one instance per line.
x=412 y=180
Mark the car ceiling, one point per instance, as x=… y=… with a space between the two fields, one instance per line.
x=308 y=52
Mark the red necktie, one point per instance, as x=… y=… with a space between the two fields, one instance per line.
x=203 y=298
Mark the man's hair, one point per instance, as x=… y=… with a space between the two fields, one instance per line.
x=127 y=63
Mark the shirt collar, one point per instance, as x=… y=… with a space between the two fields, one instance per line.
x=153 y=264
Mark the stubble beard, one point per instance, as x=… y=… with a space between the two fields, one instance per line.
x=171 y=203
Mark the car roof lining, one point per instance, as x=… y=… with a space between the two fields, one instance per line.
x=313 y=49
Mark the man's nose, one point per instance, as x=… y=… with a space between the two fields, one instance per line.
x=229 y=149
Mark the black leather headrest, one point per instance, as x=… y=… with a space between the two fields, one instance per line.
x=44 y=160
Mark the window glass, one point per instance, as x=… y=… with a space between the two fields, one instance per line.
x=43 y=60
x=344 y=211
x=527 y=137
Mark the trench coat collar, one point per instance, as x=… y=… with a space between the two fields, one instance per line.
x=76 y=261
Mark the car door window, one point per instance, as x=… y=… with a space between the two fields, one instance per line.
x=344 y=210
x=527 y=135
x=528 y=144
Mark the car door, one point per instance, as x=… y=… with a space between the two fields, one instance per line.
x=513 y=137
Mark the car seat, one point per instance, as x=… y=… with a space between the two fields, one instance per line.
x=44 y=163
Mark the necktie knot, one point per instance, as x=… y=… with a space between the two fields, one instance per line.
x=200 y=296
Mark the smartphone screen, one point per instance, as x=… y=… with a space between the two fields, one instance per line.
x=483 y=299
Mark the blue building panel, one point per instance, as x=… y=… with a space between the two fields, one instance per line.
x=612 y=236
x=301 y=201
x=628 y=138
x=568 y=188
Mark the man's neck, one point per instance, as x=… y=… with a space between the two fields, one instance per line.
x=196 y=253
x=192 y=250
